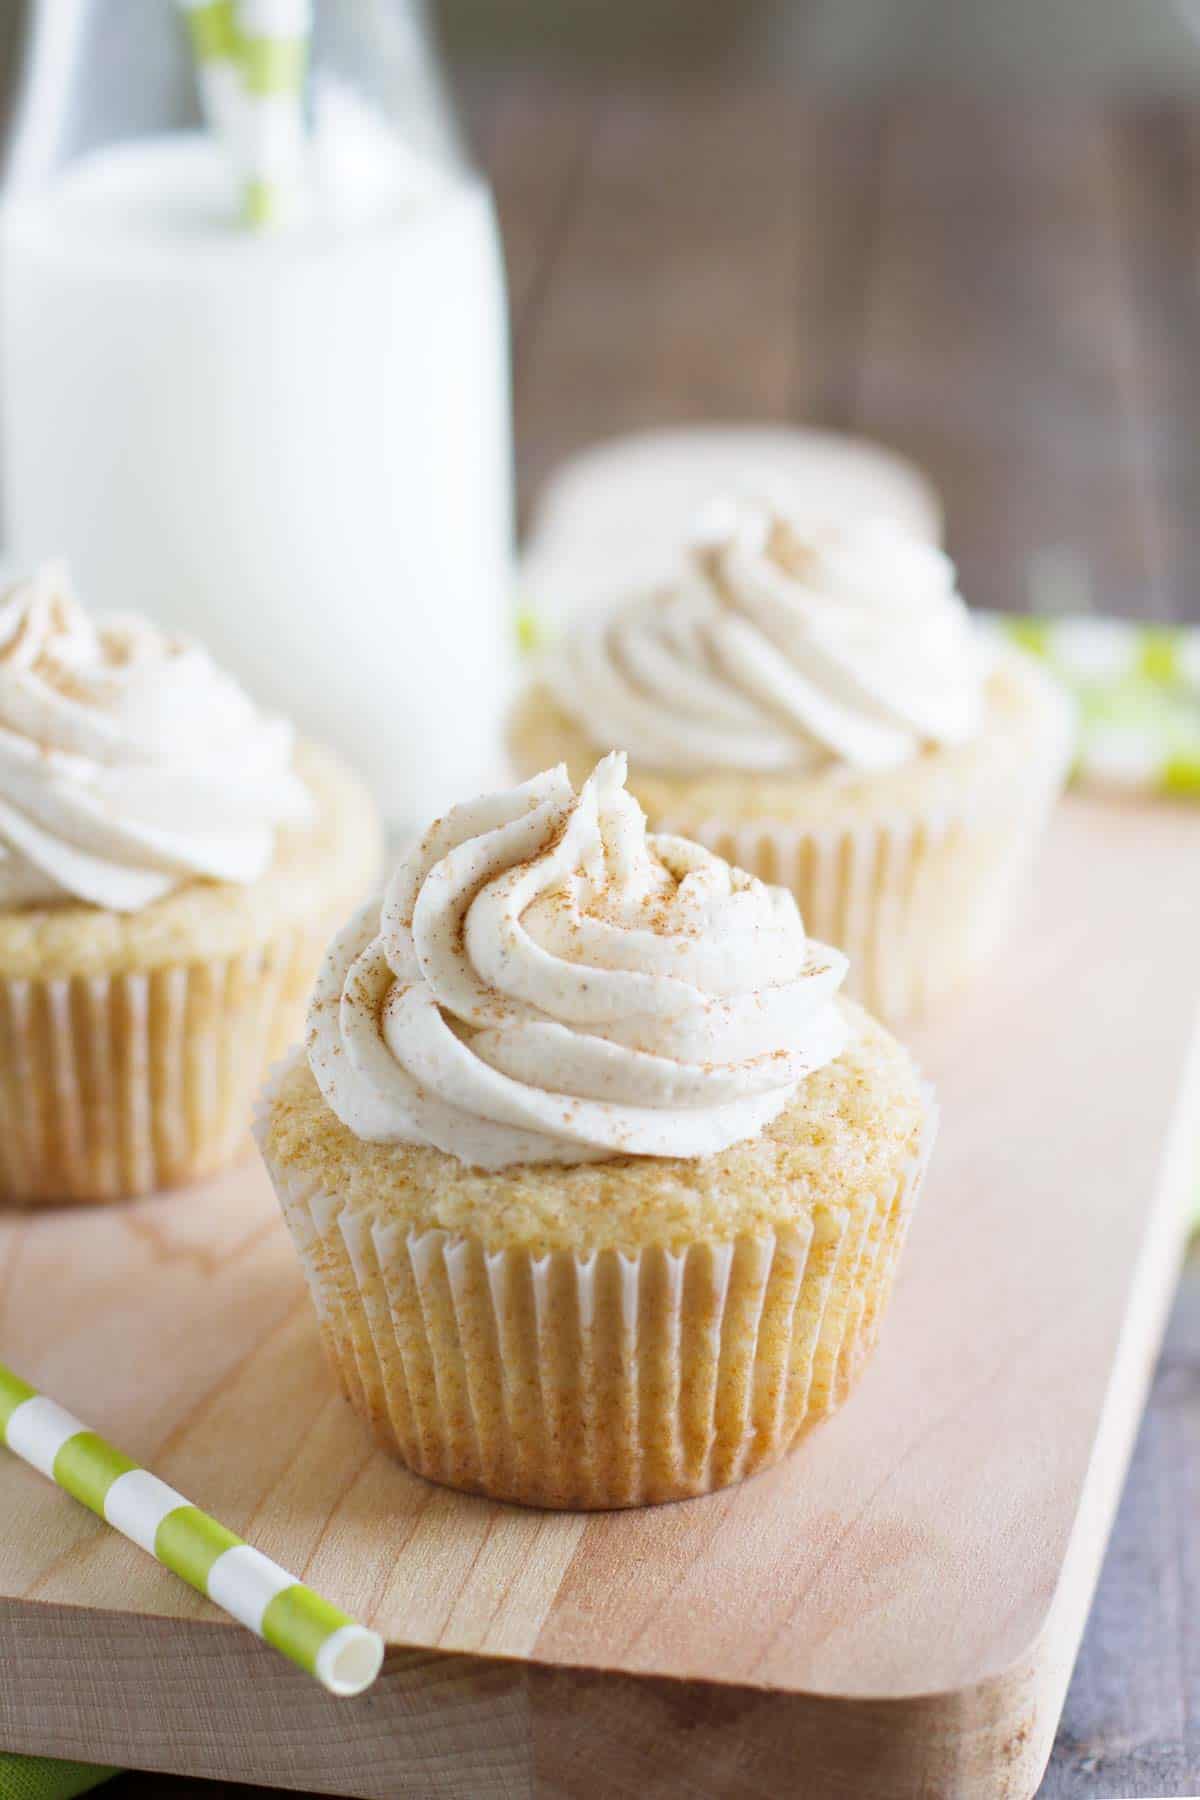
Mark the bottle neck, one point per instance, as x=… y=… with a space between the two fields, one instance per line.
x=97 y=72
x=386 y=52
x=91 y=72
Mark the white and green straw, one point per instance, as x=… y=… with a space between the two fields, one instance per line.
x=272 y=44
x=345 y=1657
x=212 y=28
x=1137 y=690
x=251 y=57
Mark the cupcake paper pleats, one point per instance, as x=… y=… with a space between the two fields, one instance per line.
x=118 y=1085
x=917 y=900
x=604 y=1380
x=913 y=872
x=133 y=1045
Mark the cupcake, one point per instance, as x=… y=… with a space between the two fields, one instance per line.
x=818 y=708
x=171 y=863
x=598 y=1184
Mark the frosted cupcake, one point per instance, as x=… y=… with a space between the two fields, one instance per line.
x=598 y=1185
x=818 y=710
x=170 y=865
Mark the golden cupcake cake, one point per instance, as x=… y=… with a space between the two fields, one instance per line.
x=598 y=1184
x=817 y=707
x=171 y=862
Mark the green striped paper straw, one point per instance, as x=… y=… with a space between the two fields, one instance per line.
x=213 y=32
x=47 y=1778
x=1137 y=691
x=345 y=1657
x=272 y=52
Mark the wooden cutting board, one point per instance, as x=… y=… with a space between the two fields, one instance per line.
x=893 y=1612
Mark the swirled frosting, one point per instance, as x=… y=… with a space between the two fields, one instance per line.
x=546 y=983
x=775 y=651
x=129 y=763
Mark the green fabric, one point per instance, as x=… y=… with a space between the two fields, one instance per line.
x=43 y=1778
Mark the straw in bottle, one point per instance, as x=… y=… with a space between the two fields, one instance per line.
x=272 y=53
x=212 y=28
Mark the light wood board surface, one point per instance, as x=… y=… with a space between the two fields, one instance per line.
x=1004 y=289
x=901 y=1599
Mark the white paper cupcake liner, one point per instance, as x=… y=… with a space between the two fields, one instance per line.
x=916 y=902
x=605 y=1380
x=117 y=1085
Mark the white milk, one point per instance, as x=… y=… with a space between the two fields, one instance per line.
x=295 y=447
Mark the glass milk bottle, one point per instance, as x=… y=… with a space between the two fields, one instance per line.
x=291 y=442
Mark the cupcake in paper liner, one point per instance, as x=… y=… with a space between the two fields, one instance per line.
x=818 y=708
x=598 y=1184
x=171 y=864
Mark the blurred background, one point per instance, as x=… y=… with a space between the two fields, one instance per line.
x=968 y=230
x=850 y=43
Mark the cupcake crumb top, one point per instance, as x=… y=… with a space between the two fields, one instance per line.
x=849 y=1131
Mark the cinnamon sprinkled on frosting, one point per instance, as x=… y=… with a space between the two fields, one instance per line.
x=547 y=983
x=129 y=763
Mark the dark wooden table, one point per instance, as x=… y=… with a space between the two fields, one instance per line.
x=1008 y=294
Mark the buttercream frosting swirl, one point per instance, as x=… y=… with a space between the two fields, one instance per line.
x=547 y=983
x=129 y=762
x=776 y=650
